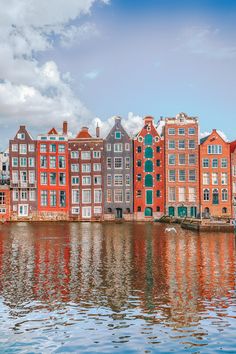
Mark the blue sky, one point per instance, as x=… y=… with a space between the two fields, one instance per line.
x=147 y=57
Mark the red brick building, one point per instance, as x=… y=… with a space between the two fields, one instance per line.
x=233 y=177
x=4 y=203
x=215 y=176
x=148 y=172
x=53 y=175
x=85 y=166
x=181 y=165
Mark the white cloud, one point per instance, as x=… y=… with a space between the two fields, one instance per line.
x=91 y=75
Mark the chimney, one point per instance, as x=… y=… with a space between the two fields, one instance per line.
x=97 y=131
x=65 y=127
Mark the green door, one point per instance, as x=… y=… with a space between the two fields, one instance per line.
x=193 y=212
x=148 y=197
x=148 y=212
x=171 y=211
x=182 y=212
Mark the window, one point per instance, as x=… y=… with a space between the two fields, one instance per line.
x=23 y=149
x=148 y=166
x=139 y=177
x=23 y=161
x=139 y=163
x=75 y=196
x=86 y=196
x=86 y=180
x=43 y=178
x=109 y=196
x=97 y=167
x=52 y=161
x=171 y=159
x=97 y=154
x=31 y=162
x=215 y=178
x=86 y=212
x=206 y=178
x=86 y=167
x=148 y=139
x=31 y=147
x=23 y=176
x=181 y=144
x=215 y=196
x=171 y=144
x=224 y=195
x=139 y=149
x=192 y=194
x=118 y=180
x=97 y=196
x=14 y=147
x=53 y=198
x=224 y=210
x=24 y=195
x=234 y=170
x=15 y=161
x=224 y=178
x=171 y=131
x=52 y=148
x=62 y=178
x=127 y=196
x=44 y=198
x=74 y=180
x=108 y=147
x=192 y=159
x=75 y=210
x=118 y=196
x=224 y=163
x=192 y=175
x=158 y=177
x=61 y=161
x=117 y=135
x=205 y=163
x=2 y=198
x=181 y=194
x=15 y=195
x=191 y=131
x=148 y=181
x=182 y=175
x=172 y=176
x=31 y=177
x=62 y=199
x=21 y=136
x=97 y=210
x=158 y=194
x=74 y=154
x=53 y=178
x=127 y=162
x=97 y=180
x=148 y=153
x=109 y=162
x=139 y=209
x=61 y=148
x=206 y=195
x=127 y=180
x=172 y=194
x=181 y=159
x=43 y=148
x=75 y=167
x=191 y=144
x=158 y=149
x=109 y=180
x=118 y=147
x=118 y=162
x=127 y=146
x=85 y=155
x=214 y=163
x=214 y=149
x=181 y=131
x=139 y=193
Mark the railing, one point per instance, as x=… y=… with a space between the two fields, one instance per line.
x=25 y=184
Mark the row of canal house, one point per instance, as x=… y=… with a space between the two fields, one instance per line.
x=161 y=170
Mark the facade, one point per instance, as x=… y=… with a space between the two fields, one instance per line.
x=4 y=203
x=149 y=188
x=53 y=175
x=233 y=177
x=23 y=182
x=181 y=166
x=4 y=167
x=215 y=176
x=85 y=169
x=118 y=173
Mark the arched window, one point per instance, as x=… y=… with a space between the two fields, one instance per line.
x=224 y=195
x=148 y=153
x=206 y=194
x=224 y=210
x=148 y=212
x=148 y=166
x=148 y=139
x=215 y=196
x=148 y=181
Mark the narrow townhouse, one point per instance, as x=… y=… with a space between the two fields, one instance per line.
x=148 y=172
x=215 y=176
x=4 y=167
x=182 y=165
x=4 y=203
x=23 y=180
x=233 y=177
x=53 y=175
x=85 y=168
x=118 y=173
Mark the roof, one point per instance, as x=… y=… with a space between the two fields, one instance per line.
x=53 y=132
x=232 y=146
x=204 y=139
x=83 y=134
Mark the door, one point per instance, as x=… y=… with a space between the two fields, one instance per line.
x=119 y=213
x=182 y=212
x=171 y=211
x=23 y=210
x=193 y=212
x=148 y=212
x=148 y=197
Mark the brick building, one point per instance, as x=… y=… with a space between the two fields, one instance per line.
x=215 y=176
x=118 y=173
x=4 y=203
x=85 y=166
x=148 y=172
x=233 y=177
x=53 y=175
x=23 y=182
x=181 y=165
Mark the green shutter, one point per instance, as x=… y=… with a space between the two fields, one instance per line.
x=148 y=181
x=148 y=152
x=148 y=139
x=148 y=197
x=148 y=166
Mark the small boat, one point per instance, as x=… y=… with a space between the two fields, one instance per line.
x=170 y=229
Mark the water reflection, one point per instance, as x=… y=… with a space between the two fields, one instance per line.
x=147 y=287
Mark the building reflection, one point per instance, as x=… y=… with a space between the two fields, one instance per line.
x=118 y=266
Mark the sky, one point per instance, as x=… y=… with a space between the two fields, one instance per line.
x=87 y=60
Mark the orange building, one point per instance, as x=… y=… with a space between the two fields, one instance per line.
x=148 y=172
x=53 y=175
x=215 y=176
x=4 y=203
x=182 y=165
x=233 y=177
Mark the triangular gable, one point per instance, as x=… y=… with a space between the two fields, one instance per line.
x=212 y=137
x=53 y=132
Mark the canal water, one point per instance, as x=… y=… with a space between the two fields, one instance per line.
x=116 y=288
